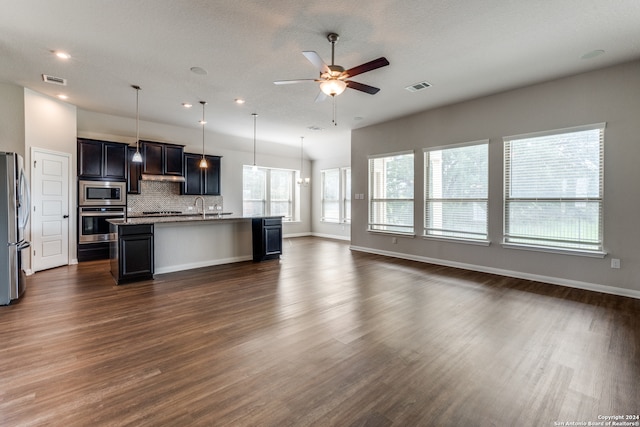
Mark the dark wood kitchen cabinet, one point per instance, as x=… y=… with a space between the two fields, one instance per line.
x=198 y=181
x=161 y=158
x=267 y=238
x=102 y=160
x=131 y=254
x=134 y=172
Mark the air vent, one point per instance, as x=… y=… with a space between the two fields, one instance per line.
x=54 y=80
x=418 y=86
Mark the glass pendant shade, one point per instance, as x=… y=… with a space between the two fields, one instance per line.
x=333 y=87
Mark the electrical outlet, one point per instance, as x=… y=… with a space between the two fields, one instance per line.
x=394 y=240
x=615 y=263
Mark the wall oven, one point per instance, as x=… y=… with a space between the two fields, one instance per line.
x=102 y=193
x=92 y=223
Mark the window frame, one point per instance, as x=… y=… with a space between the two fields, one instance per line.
x=267 y=201
x=483 y=238
x=563 y=245
x=343 y=199
x=379 y=227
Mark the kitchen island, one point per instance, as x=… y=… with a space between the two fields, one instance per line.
x=154 y=245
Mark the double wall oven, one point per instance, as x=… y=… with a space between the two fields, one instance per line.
x=99 y=201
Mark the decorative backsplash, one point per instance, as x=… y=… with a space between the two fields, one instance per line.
x=165 y=196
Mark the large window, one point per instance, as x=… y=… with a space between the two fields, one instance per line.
x=268 y=192
x=553 y=189
x=456 y=191
x=391 y=182
x=336 y=195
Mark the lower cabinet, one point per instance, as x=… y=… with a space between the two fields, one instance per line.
x=267 y=238
x=132 y=253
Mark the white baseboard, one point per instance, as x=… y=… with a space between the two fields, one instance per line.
x=508 y=273
x=289 y=235
x=332 y=236
x=208 y=263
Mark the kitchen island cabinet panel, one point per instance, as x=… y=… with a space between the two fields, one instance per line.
x=267 y=238
x=132 y=254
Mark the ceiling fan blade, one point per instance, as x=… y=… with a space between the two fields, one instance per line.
x=315 y=59
x=288 y=82
x=363 y=68
x=362 y=87
x=321 y=96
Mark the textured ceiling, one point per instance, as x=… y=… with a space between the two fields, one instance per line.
x=464 y=48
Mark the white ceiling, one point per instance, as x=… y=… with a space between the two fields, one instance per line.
x=464 y=48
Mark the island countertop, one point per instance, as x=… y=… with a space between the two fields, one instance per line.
x=224 y=217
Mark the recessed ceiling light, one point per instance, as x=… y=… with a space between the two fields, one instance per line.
x=198 y=70
x=239 y=101
x=592 y=54
x=62 y=96
x=60 y=54
x=315 y=128
x=358 y=118
x=187 y=105
x=202 y=122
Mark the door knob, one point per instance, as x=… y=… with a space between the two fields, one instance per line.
x=65 y=216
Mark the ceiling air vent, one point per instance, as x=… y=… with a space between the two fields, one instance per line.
x=54 y=80
x=418 y=86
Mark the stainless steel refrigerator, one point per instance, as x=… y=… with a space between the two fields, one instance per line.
x=14 y=215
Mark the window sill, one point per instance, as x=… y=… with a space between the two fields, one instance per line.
x=458 y=240
x=576 y=252
x=392 y=233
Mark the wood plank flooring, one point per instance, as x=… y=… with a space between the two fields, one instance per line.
x=322 y=337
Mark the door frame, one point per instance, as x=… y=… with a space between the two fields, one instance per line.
x=71 y=229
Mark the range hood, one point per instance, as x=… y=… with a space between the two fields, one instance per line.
x=165 y=178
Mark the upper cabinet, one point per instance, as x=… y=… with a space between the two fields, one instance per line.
x=161 y=159
x=201 y=181
x=102 y=160
x=135 y=170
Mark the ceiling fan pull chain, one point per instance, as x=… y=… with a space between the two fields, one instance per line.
x=334 y=111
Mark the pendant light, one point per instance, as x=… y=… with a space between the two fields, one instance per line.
x=203 y=161
x=255 y=167
x=301 y=180
x=137 y=158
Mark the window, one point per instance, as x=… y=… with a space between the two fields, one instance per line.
x=268 y=192
x=391 y=193
x=456 y=191
x=336 y=195
x=553 y=189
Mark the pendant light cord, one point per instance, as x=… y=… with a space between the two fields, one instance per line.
x=254 y=137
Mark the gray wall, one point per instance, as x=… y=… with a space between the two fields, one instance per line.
x=610 y=95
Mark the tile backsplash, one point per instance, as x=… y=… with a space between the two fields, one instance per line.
x=165 y=196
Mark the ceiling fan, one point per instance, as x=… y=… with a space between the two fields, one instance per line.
x=334 y=79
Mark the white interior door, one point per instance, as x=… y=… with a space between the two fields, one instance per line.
x=50 y=216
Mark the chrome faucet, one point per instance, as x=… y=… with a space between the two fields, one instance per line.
x=196 y=205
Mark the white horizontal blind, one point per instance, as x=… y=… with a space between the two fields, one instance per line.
x=254 y=191
x=456 y=191
x=268 y=191
x=330 y=195
x=346 y=194
x=391 y=182
x=554 y=189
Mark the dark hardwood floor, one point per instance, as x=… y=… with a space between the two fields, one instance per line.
x=323 y=337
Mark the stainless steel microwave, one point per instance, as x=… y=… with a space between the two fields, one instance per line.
x=102 y=193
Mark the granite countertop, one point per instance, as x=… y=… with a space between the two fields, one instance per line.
x=225 y=216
